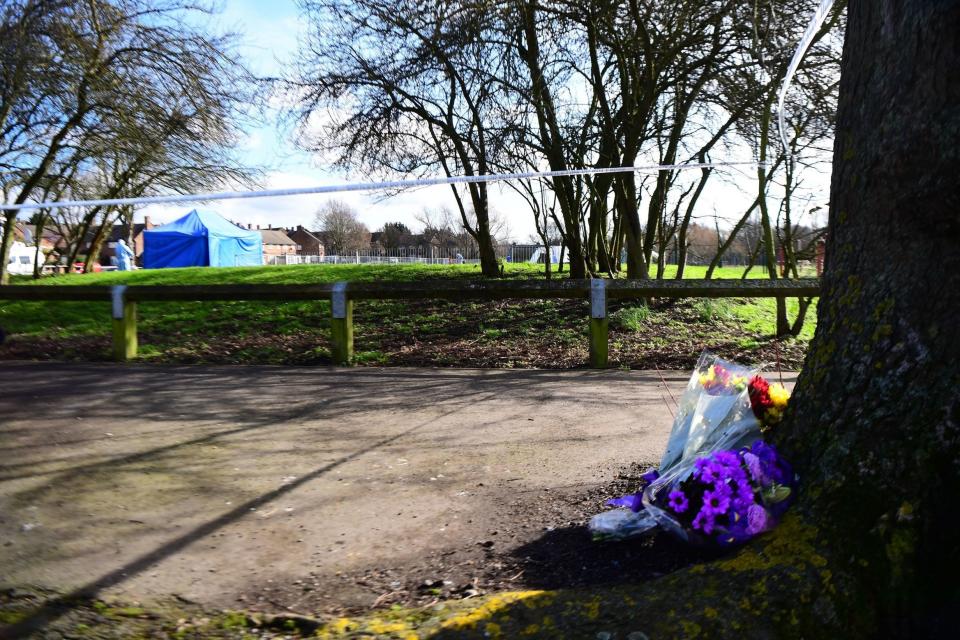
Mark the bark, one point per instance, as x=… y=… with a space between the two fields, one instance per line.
x=875 y=430
x=783 y=327
x=687 y=216
x=38 y=240
x=96 y=244
x=626 y=200
x=552 y=138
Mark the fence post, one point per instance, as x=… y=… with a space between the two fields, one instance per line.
x=124 y=325
x=599 y=323
x=341 y=325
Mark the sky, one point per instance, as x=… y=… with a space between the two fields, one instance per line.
x=269 y=31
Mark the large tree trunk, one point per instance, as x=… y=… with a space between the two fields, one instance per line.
x=876 y=428
x=871 y=549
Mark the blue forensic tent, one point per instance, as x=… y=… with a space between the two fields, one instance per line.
x=201 y=239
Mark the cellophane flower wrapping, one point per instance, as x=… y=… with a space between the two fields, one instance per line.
x=718 y=483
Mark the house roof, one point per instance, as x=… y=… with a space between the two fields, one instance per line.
x=275 y=236
x=49 y=234
x=315 y=235
x=120 y=231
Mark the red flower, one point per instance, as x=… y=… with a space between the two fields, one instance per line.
x=759 y=391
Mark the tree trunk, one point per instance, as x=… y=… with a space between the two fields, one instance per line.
x=687 y=216
x=38 y=252
x=783 y=327
x=875 y=430
x=6 y=242
x=626 y=200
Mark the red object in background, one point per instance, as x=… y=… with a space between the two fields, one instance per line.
x=78 y=268
x=821 y=250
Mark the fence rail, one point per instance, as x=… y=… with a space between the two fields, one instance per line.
x=294 y=259
x=343 y=294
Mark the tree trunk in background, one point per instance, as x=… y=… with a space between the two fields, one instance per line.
x=687 y=216
x=37 y=241
x=6 y=242
x=489 y=266
x=769 y=247
x=626 y=201
x=875 y=425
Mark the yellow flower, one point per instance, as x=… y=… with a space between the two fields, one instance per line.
x=773 y=415
x=709 y=377
x=779 y=395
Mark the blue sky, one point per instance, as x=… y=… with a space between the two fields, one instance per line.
x=269 y=31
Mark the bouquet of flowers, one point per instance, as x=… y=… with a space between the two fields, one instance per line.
x=718 y=481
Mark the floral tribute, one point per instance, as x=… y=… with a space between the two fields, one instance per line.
x=768 y=401
x=718 y=483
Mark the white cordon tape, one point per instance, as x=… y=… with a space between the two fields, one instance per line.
x=369 y=186
x=819 y=17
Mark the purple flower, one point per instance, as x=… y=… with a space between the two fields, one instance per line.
x=678 y=501
x=764 y=451
x=736 y=529
x=754 y=467
x=727 y=459
x=632 y=502
x=712 y=473
x=716 y=501
x=699 y=465
x=744 y=494
x=704 y=522
x=650 y=476
x=758 y=520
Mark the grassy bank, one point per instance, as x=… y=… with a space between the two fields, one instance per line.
x=539 y=333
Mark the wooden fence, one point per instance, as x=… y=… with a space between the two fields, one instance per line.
x=343 y=294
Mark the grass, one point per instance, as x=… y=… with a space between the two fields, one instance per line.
x=631 y=318
x=441 y=333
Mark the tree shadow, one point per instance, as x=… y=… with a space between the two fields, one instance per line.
x=567 y=558
x=55 y=608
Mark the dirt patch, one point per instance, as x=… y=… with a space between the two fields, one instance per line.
x=539 y=542
x=534 y=542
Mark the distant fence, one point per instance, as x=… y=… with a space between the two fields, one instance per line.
x=343 y=294
x=360 y=258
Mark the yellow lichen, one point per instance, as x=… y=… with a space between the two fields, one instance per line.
x=336 y=628
x=691 y=630
x=383 y=627
x=790 y=544
x=592 y=608
x=469 y=619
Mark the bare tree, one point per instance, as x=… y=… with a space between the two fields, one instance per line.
x=342 y=230
x=405 y=90
x=130 y=99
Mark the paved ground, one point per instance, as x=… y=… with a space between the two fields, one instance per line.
x=213 y=482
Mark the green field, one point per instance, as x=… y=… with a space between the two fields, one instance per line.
x=540 y=333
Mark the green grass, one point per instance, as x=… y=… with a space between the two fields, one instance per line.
x=387 y=332
x=714 y=309
x=632 y=318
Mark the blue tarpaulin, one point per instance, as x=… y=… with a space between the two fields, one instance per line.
x=201 y=239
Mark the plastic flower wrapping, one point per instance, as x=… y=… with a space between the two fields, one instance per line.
x=718 y=483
